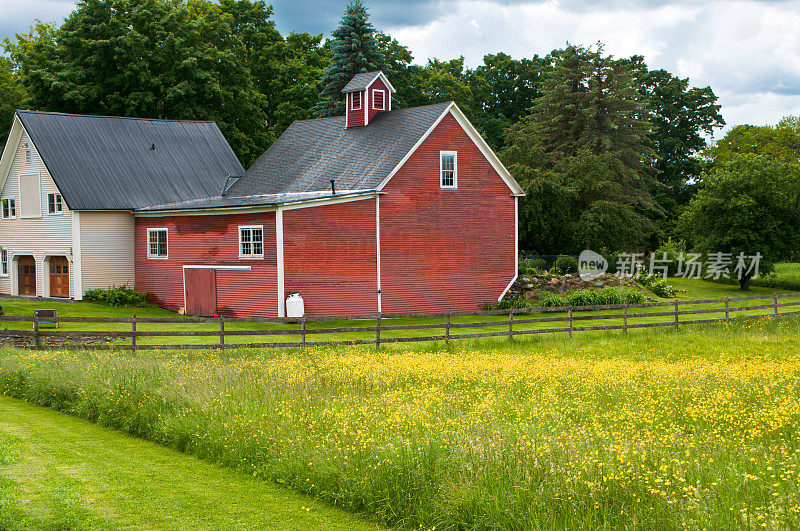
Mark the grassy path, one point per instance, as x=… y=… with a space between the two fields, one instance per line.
x=58 y=472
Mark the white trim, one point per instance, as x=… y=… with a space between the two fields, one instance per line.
x=516 y=249
x=366 y=107
x=415 y=147
x=378 y=245
x=59 y=203
x=477 y=139
x=385 y=80
x=2 y=216
x=383 y=100
x=10 y=149
x=279 y=260
x=38 y=175
x=77 y=271
x=252 y=255
x=157 y=256
x=353 y=101
x=8 y=262
x=455 y=170
x=183 y=274
x=302 y=203
x=218 y=267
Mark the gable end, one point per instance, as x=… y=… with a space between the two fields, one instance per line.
x=477 y=139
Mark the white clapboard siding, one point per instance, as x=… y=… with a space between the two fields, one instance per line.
x=42 y=237
x=106 y=249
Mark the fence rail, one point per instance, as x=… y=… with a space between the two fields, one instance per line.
x=515 y=322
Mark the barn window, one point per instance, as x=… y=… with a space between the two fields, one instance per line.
x=54 y=203
x=28 y=156
x=251 y=241
x=9 y=208
x=448 y=169
x=157 y=243
x=378 y=100
x=356 y=101
x=3 y=261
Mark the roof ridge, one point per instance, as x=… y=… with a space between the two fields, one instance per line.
x=382 y=112
x=55 y=113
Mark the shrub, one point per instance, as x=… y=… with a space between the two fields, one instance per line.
x=585 y=297
x=657 y=285
x=566 y=264
x=672 y=249
x=532 y=266
x=117 y=296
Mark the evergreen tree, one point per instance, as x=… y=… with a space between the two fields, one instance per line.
x=355 y=50
x=583 y=155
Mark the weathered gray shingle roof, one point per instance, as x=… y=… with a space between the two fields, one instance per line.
x=106 y=163
x=360 y=81
x=312 y=152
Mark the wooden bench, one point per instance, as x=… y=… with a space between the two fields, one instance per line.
x=46 y=317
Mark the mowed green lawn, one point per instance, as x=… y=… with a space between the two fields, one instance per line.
x=691 y=289
x=59 y=472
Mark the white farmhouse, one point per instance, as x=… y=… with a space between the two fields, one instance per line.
x=70 y=185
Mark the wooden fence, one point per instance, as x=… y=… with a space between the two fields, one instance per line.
x=517 y=322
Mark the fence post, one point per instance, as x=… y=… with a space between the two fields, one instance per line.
x=303 y=332
x=222 y=333
x=378 y=332
x=35 y=331
x=569 y=314
x=511 y=325
x=133 y=334
x=727 y=308
x=447 y=330
x=775 y=298
x=677 y=322
x=625 y=317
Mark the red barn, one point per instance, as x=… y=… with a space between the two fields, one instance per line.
x=379 y=210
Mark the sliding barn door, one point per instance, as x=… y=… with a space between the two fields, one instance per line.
x=200 y=286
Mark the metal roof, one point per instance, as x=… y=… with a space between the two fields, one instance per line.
x=108 y=162
x=312 y=152
x=256 y=200
x=362 y=81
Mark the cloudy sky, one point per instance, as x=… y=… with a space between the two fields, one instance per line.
x=748 y=51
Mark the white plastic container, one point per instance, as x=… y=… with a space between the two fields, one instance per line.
x=295 y=306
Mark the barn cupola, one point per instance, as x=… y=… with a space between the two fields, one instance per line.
x=365 y=96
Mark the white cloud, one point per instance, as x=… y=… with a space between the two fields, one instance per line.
x=747 y=51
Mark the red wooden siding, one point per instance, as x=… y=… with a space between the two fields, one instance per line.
x=446 y=249
x=330 y=257
x=210 y=240
x=355 y=118
x=378 y=85
x=201 y=291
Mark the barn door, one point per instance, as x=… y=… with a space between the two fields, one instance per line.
x=200 y=286
x=59 y=277
x=26 y=267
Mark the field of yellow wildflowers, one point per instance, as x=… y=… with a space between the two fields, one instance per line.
x=655 y=429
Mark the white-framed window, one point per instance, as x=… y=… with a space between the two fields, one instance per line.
x=356 y=104
x=3 y=262
x=251 y=241
x=28 y=156
x=448 y=169
x=9 y=208
x=157 y=244
x=54 y=204
x=379 y=100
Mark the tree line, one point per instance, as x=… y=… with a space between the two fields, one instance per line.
x=613 y=155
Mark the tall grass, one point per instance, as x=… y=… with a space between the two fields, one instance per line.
x=655 y=430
